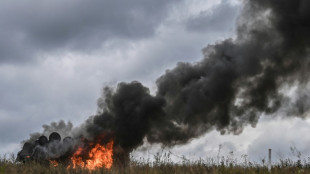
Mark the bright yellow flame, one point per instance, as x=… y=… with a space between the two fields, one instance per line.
x=76 y=159
x=98 y=157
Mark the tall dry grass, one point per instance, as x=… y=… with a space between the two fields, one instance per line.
x=162 y=165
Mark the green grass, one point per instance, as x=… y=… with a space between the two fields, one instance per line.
x=161 y=166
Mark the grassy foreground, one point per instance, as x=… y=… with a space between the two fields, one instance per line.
x=9 y=166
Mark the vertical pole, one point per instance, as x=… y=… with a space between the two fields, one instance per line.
x=269 y=160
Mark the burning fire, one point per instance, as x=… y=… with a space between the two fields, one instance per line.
x=98 y=156
x=53 y=163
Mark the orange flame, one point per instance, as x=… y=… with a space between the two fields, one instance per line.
x=99 y=156
x=76 y=159
x=53 y=163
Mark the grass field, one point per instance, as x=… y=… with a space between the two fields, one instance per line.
x=9 y=166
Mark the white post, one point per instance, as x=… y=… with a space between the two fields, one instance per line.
x=269 y=160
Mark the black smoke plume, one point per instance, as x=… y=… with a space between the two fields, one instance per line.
x=238 y=80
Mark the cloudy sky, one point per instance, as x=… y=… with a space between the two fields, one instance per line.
x=56 y=56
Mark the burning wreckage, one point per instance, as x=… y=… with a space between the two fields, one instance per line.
x=69 y=152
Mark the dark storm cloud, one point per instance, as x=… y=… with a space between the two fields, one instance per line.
x=220 y=18
x=32 y=27
x=26 y=103
x=11 y=136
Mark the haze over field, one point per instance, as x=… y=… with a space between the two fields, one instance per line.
x=251 y=70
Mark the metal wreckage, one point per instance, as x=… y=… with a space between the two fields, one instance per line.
x=45 y=149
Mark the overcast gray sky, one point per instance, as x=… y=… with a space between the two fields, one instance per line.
x=56 y=56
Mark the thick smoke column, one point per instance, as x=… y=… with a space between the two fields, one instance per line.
x=237 y=80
